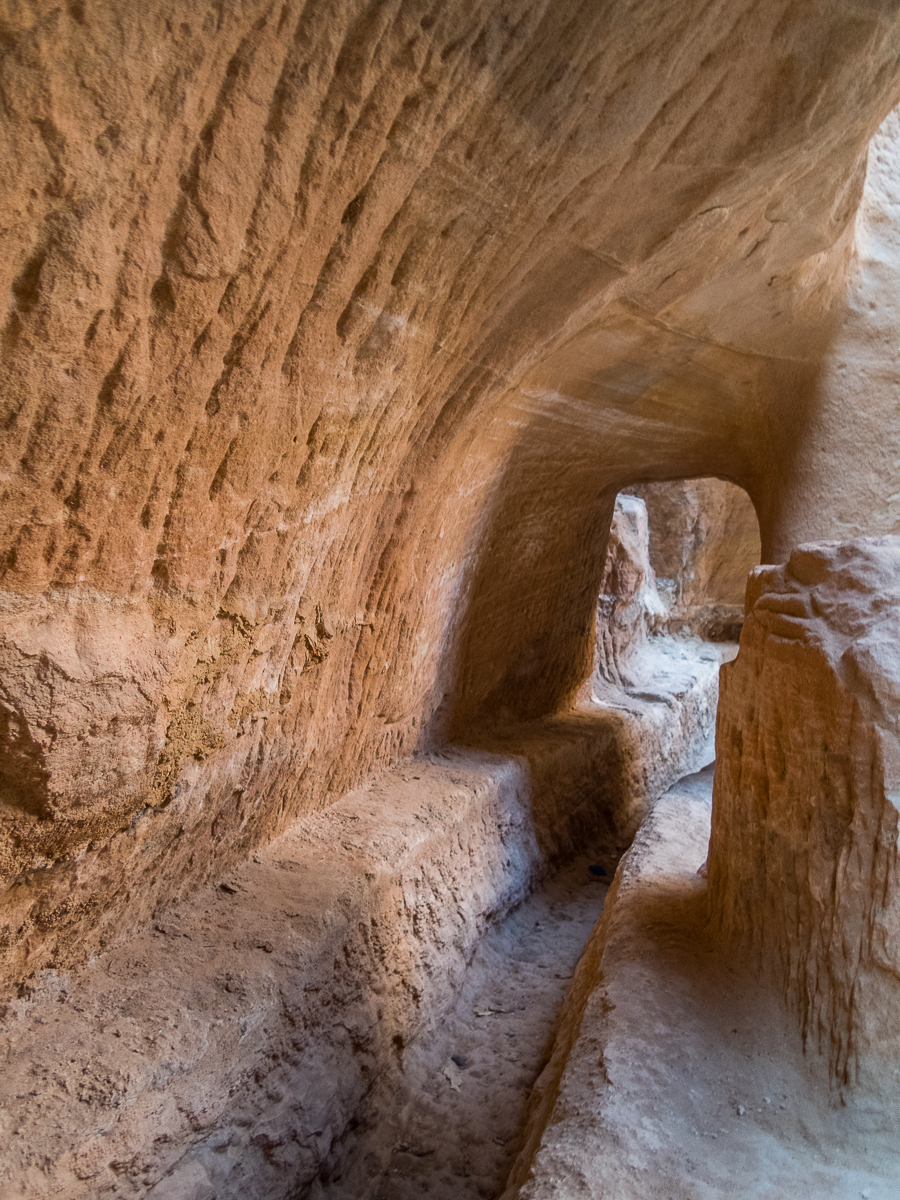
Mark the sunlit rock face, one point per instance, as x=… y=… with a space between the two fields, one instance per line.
x=331 y=334
x=667 y=685
x=804 y=873
x=841 y=438
x=628 y=602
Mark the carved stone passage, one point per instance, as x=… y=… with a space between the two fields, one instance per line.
x=804 y=872
x=330 y=334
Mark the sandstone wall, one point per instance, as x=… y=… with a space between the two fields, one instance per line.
x=628 y=600
x=838 y=445
x=331 y=332
x=804 y=872
x=220 y=1053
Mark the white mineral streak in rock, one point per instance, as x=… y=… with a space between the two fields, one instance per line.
x=628 y=599
x=803 y=867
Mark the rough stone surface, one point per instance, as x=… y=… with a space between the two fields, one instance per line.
x=804 y=868
x=221 y=1052
x=676 y=1073
x=839 y=442
x=332 y=331
x=628 y=603
x=453 y=1132
x=636 y=665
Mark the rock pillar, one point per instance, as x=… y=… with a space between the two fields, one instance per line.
x=804 y=871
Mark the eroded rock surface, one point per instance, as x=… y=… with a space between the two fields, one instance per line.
x=804 y=869
x=220 y=1053
x=629 y=603
x=676 y=1072
x=331 y=332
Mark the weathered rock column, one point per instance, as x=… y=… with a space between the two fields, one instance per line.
x=804 y=871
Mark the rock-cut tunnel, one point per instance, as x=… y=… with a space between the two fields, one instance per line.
x=332 y=333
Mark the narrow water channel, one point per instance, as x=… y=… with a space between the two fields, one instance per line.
x=448 y=1125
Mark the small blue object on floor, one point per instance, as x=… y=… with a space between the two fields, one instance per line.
x=597 y=872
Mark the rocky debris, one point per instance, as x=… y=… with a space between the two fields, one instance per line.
x=804 y=871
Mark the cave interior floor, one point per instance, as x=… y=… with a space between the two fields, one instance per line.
x=704 y=1092
x=701 y=1090
x=452 y=1131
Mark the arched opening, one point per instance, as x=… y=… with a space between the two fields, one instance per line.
x=668 y=614
x=677 y=564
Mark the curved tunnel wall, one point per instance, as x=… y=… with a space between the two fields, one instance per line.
x=331 y=334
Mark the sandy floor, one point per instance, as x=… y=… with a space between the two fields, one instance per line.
x=447 y=1125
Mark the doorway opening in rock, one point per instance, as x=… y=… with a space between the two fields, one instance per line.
x=450 y=1120
x=677 y=564
x=669 y=614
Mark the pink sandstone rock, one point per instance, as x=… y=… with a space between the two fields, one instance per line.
x=704 y=538
x=330 y=335
x=804 y=872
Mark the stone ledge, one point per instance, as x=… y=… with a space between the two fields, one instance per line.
x=219 y=1053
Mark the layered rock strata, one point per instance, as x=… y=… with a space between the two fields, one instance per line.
x=331 y=332
x=804 y=870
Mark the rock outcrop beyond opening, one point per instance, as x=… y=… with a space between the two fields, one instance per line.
x=704 y=538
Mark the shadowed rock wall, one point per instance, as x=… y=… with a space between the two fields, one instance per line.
x=332 y=331
x=804 y=874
